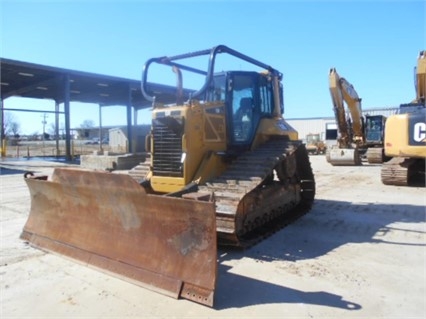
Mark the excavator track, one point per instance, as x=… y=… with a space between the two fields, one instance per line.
x=375 y=155
x=402 y=171
x=250 y=205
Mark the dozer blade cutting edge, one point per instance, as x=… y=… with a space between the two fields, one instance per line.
x=108 y=221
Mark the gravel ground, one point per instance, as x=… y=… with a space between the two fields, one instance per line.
x=359 y=253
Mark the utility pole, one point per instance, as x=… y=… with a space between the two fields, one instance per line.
x=2 y=133
x=44 y=122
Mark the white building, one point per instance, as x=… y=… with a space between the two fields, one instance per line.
x=327 y=126
x=119 y=142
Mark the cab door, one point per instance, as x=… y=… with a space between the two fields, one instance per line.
x=243 y=110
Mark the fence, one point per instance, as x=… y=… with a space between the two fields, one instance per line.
x=52 y=149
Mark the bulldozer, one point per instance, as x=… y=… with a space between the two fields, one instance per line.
x=225 y=168
x=405 y=136
x=314 y=144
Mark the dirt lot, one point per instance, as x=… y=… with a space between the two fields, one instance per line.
x=359 y=253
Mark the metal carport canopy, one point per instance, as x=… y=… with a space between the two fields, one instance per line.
x=23 y=79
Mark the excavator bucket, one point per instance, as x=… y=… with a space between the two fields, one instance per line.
x=108 y=221
x=344 y=156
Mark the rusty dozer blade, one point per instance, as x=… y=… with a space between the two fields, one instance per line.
x=108 y=221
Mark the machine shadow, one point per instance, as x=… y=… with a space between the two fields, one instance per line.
x=11 y=171
x=329 y=225
x=236 y=291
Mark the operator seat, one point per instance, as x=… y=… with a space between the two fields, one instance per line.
x=246 y=109
x=243 y=123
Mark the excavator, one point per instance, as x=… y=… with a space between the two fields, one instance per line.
x=405 y=136
x=225 y=168
x=358 y=136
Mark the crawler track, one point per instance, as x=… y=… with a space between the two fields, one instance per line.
x=252 y=202
x=402 y=171
x=251 y=206
x=375 y=155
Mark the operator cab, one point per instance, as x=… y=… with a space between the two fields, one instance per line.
x=374 y=128
x=248 y=97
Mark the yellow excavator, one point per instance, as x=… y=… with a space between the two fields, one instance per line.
x=225 y=167
x=405 y=136
x=359 y=136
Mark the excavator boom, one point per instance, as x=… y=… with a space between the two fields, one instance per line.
x=421 y=77
x=354 y=106
x=339 y=108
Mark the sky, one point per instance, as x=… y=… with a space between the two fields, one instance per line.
x=373 y=44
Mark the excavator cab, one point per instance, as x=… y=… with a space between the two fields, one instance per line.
x=374 y=129
x=374 y=138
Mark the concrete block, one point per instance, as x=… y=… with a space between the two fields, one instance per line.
x=108 y=161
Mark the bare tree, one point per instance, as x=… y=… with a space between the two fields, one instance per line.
x=51 y=129
x=87 y=124
x=34 y=136
x=11 y=125
x=62 y=130
x=85 y=127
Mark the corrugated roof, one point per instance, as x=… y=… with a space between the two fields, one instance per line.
x=45 y=82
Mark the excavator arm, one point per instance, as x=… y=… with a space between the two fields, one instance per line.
x=339 y=108
x=420 y=82
x=342 y=91
x=354 y=105
x=351 y=132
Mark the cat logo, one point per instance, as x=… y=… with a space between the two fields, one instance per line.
x=419 y=132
